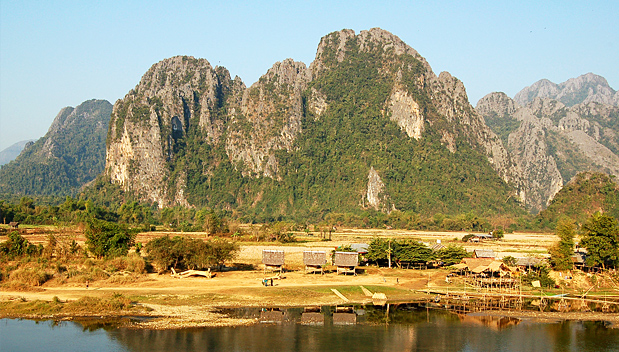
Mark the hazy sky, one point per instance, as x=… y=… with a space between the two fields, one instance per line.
x=60 y=53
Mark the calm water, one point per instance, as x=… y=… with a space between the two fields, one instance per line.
x=402 y=328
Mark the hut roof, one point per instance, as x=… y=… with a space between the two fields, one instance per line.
x=474 y=263
x=579 y=257
x=528 y=261
x=360 y=247
x=314 y=257
x=437 y=247
x=312 y=318
x=272 y=257
x=346 y=259
x=498 y=265
x=484 y=253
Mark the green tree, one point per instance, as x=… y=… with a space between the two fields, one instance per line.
x=601 y=239
x=108 y=239
x=452 y=254
x=379 y=250
x=411 y=251
x=187 y=253
x=561 y=252
x=18 y=246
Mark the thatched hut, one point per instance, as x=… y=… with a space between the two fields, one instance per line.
x=314 y=260
x=273 y=260
x=14 y=225
x=346 y=262
x=484 y=253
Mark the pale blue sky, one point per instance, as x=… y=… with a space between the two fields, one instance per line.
x=60 y=53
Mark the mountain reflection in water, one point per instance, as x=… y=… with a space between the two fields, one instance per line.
x=361 y=328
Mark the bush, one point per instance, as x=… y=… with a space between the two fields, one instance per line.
x=105 y=238
x=184 y=253
x=17 y=246
x=452 y=254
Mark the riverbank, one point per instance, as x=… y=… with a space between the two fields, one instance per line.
x=170 y=303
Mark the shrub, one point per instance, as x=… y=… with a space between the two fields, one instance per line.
x=105 y=238
x=17 y=246
x=184 y=253
x=452 y=254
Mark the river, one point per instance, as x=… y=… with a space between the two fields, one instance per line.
x=361 y=328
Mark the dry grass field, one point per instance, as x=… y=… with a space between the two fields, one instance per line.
x=189 y=301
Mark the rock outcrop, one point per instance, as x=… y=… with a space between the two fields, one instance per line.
x=583 y=89
x=551 y=142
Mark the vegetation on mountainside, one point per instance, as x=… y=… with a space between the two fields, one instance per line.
x=327 y=169
x=570 y=160
x=68 y=157
x=609 y=136
x=586 y=194
x=502 y=126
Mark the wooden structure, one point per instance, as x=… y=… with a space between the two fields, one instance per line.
x=484 y=253
x=189 y=273
x=273 y=260
x=528 y=262
x=579 y=259
x=314 y=261
x=14 y=225
x=346 y=262
x=480 y=237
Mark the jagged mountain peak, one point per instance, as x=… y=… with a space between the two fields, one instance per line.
x=334 y=46
x=582 y=89
x=287 y=72
x=302 y=138
x=498 y=103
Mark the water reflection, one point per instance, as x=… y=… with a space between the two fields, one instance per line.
x=402 y=327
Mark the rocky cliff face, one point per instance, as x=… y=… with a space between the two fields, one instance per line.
x=267 y=118
x=550 y=142
x=307 y=137
x=149 y=126
x=71 y=153
x=583 y=89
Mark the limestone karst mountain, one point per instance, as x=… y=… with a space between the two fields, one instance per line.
x=367 y=125
x=551 y=142
x=71 y=154
x=583 y=89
